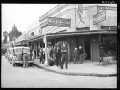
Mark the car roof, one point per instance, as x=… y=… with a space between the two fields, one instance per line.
x=10 y=48
x=22 y=47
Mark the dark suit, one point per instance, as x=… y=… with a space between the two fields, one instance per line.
x=75 y=56
x=58 y=57
x=80 y=54
x=64 y=58
x=25 y=60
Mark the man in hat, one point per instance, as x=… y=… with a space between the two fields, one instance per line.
x=64 y=58
x=80 y=52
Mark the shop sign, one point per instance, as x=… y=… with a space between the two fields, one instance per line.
x=54 y=21
x=99 y=8
x=99 y=17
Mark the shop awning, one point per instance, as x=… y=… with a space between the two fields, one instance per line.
x=84 y=32
x=63 y=34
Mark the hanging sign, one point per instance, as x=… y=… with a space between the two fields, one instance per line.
x=54 y=21
x=99 y=17
x=101 y=8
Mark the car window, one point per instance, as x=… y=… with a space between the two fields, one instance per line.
x=11 y=51
x=18 y=50
x=25 y=50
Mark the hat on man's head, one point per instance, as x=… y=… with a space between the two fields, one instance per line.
x=80 y=46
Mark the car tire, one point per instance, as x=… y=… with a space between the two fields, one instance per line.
x=13 y=64
x=31 y=64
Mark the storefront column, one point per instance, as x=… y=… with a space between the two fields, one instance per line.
x=68 y=42
x=46 y=58
x=36 y=50
x=94 y=48
x=100 y=41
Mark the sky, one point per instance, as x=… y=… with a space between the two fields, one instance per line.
x=22 y=15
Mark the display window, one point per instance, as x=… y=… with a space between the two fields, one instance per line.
x=110 y=45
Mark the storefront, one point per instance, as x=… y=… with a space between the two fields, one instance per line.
x=109 y=43
x=89 y=40
x=63 y=23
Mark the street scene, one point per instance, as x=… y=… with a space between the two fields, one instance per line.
x=32 y=77
x=66 y=46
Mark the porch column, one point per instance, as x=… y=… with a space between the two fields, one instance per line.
x=46 y=57
x=36 y=50
x=99 y=42
x=68 y=42
x=94 y=48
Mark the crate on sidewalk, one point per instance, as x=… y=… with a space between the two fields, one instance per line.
x=108 y=59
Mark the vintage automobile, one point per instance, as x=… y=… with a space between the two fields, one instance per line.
x=18 y=53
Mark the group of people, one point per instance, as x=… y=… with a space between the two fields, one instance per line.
x=78 y=55
x=58 y=55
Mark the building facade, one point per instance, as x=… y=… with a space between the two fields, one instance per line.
x=78 y=25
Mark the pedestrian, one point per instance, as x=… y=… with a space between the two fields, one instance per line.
x=30 y=52
x=33 y=55
x=25 y=59
x=41 y=56
x=49 y=53
x=64 y=58
x=80 y=54
x=75 y=55
x=55 y=53
x=101 y=53
x=58 y=57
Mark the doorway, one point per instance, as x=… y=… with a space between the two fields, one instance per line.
x=87 y=47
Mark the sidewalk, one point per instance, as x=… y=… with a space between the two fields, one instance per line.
x=88 y=68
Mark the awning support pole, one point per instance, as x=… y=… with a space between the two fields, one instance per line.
x=46 y=58
x=36 y=50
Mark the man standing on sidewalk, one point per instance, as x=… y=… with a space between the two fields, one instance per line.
x=75 y=55
x=80 y=54
x=64 y=58
x=58 y=57
x=25 y=60
x=41 y=56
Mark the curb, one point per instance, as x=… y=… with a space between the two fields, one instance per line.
x=77 y=74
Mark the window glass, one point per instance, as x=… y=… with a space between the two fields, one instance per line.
x=18 y=50
x=110 y=46
x=25 y=50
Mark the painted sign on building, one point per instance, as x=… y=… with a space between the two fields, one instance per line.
x=101 y=8
x=54 y=21
x=99 y=17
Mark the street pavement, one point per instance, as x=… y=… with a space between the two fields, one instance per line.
x=33 y=77
x=88 y=67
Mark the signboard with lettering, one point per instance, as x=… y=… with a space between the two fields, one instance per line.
x=54 y=21
x=99 y=17
x=101 y=8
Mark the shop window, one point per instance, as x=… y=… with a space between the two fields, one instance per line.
x=110 y=46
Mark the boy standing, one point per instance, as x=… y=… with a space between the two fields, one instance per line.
x=75 y=56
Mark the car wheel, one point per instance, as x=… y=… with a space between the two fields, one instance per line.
x=13 y=64
x=31 y=64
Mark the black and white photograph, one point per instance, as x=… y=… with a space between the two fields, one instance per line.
x=58 y=45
